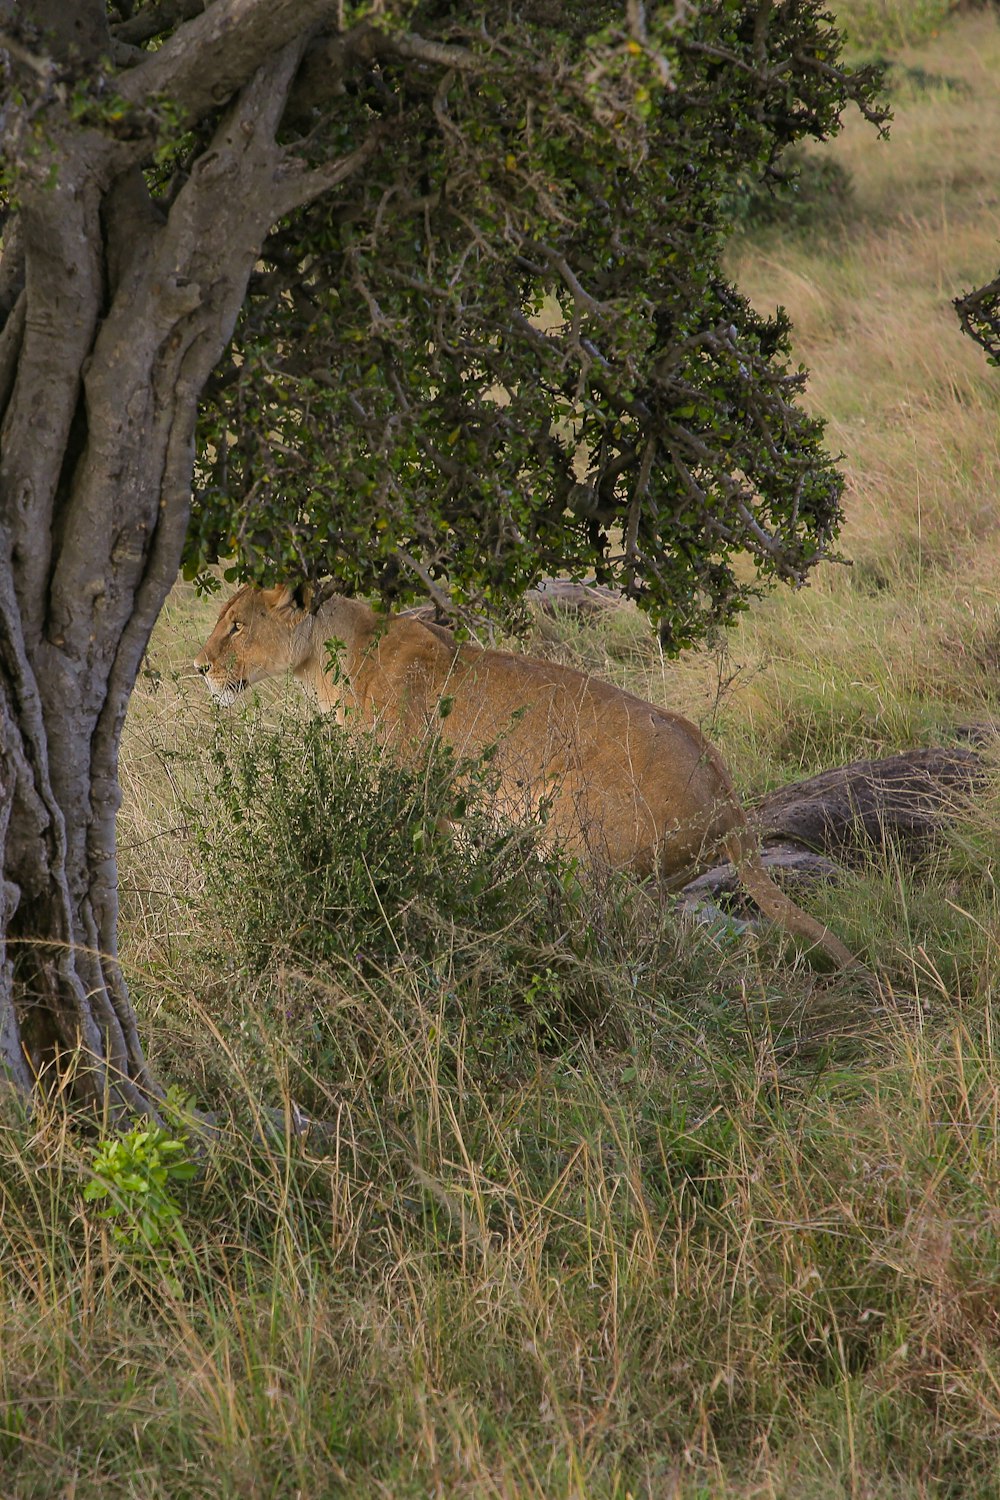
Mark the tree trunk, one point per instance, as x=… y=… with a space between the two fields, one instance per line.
x=115 y=314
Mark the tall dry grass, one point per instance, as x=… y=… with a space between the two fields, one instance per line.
x=734 y=1236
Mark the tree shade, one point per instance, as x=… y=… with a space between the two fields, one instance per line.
x=412 y=297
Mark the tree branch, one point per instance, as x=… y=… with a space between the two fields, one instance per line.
x=438 y=54
x=212 y=56
x=153 y=20
x=979 y=315
x=296 y=184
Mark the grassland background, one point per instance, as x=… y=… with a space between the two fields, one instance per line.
x=736 y=1233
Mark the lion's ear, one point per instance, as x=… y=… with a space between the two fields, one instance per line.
x=284 y=597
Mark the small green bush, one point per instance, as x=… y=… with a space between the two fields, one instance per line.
x=321 y=850
x=135 y=1177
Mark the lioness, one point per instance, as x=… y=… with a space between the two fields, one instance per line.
x=620 y=780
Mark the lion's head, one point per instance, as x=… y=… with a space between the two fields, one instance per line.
x=259 y=633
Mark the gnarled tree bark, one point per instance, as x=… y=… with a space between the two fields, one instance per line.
x=116 y=312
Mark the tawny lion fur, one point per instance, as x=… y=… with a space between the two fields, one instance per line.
x=623 y=782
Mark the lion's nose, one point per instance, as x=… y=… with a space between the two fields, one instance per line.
x=203 y=666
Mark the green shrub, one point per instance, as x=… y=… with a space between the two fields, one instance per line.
x=134 y=1178
x=322 y=851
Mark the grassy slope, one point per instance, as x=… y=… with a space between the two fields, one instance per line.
x=708 y=1249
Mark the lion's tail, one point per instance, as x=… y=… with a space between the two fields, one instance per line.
x=741 y=847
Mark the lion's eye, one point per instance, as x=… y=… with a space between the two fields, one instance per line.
x=235 y=626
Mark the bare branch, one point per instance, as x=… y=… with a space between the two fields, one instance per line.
x=572 y=281
x=154 y=20
x=209 y=58
x=632 y=558
x=442 y=599
x=439 y=54
x=297 y=184
x=979 y=315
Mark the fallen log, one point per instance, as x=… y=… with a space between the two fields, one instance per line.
x=550 y=596
x=559 y=595
x=904 y=800
x=811 y=830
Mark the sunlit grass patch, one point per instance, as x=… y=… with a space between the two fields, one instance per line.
x=891 y=24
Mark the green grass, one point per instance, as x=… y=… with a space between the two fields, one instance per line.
x=604 y=1204
x=887 y=25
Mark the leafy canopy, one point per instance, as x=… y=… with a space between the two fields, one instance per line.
x=507 y=347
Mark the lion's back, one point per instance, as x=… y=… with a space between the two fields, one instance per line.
x=615 y=776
